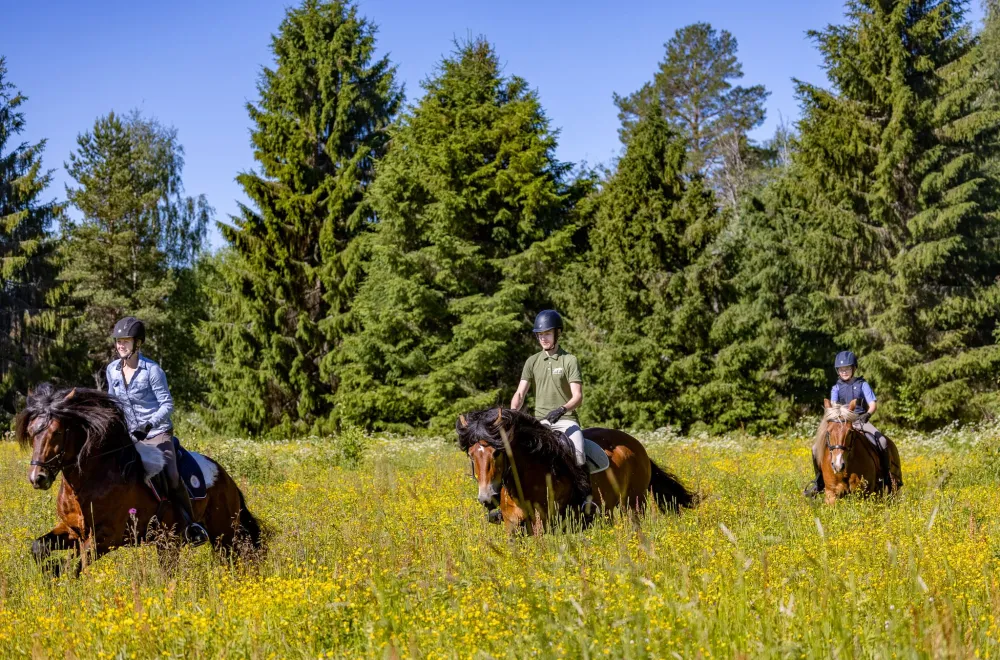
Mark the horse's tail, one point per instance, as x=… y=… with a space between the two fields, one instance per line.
x=668 y=491
x=249 y=526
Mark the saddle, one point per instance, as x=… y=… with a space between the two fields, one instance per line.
x=597 y=460
x=189 y=468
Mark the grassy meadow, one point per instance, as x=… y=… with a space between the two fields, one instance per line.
x=379 y=549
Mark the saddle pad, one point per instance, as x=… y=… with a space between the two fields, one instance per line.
x=597 y=460
x=191 y=474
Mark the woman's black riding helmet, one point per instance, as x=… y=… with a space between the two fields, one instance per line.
x=129 y=327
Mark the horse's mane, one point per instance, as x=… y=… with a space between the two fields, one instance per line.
x=835 y=413
x=93 y=412
x=527 y=435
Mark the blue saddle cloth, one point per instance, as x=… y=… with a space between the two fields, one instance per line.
x=190 y=472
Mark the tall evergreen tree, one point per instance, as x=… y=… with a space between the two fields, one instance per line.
x=25 y=270
x=890 y=218
x=693 y=90
x=643 y=299
x=319 y=126
x=472 y=208
x=137 y=234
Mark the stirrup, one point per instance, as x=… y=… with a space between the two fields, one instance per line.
x=591 y=508
x=195 y=534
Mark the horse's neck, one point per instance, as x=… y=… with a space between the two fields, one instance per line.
x=533 y=478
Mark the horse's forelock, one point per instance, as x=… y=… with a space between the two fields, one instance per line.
x=835 y=413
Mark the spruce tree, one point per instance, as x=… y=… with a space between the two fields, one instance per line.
x=293 y=265
x=472 y=208
x=136 y=236
x=886 y=227
x=26 y=273
x=643 y=300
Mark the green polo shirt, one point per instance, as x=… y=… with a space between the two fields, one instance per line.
x=551 y=375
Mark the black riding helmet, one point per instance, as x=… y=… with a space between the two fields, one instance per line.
x=129 y=327
x=845 y=359
x=547 y=319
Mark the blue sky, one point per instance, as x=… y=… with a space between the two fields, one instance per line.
x=194 y=64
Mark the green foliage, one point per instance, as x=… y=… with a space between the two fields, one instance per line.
x=884 y=232
x=693 y=91
x=131 y=251
x=286 y=284
x=473 y=210
x=26 y=273
x=644 y=298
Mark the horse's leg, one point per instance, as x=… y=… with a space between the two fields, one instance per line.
x=42 y=547
x=57 y=539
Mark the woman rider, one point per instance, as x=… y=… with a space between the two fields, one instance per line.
x=140 y=387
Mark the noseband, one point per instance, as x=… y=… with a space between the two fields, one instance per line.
x=53 y=465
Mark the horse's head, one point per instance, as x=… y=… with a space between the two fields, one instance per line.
x=488 y=466
x=53 y=446
x=66 y=427
x=477 y=435
x=838 y=429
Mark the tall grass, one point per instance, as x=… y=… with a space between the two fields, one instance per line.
x=381 y=550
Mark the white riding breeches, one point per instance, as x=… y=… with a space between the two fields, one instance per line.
x=573 y=431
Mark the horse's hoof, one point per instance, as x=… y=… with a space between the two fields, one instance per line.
x=495 y=516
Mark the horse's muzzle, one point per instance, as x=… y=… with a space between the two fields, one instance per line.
x=40 y=479
x=487 y=497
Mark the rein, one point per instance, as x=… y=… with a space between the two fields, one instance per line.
x=55 y=467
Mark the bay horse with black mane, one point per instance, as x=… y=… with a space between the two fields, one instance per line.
x=104 y=501
x=520 y=462
x=848 y=460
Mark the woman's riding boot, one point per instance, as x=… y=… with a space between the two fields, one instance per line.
x=194 y=533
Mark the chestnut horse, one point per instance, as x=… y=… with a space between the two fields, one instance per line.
x=848 y=460
x=103 y=500
x=519 y=463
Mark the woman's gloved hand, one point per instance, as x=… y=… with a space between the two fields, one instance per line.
x=140 y=434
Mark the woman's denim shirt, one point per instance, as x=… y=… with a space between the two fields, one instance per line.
x=147 y=399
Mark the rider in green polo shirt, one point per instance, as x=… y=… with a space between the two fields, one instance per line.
x=558 y=384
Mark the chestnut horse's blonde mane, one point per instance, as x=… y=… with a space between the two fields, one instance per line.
x=835 y=413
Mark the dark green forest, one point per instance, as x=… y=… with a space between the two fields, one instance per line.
x=396 y=249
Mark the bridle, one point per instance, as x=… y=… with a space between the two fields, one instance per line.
x=838 y=447
x=53 y=465
x=56 y=464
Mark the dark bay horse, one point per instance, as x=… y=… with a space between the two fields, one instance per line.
x=519 y=463
x=849 y=462
x=103 y=500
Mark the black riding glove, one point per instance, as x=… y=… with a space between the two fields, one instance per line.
x=554 y=415
x=864 y=417
x=140 y=434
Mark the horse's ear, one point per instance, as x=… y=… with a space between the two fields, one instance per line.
x=72 y=393
x=462 y=421
x=853 y=403
x=827 y=404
